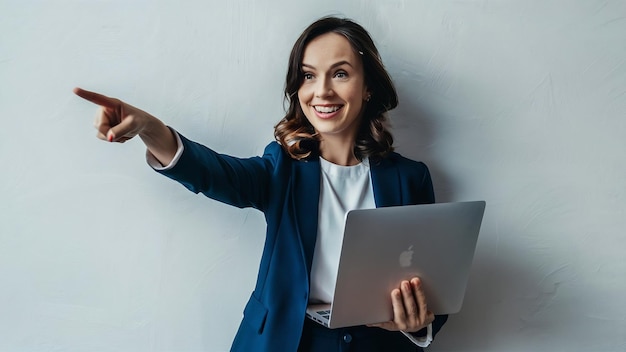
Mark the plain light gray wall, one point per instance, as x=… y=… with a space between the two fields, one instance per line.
x=520 y=103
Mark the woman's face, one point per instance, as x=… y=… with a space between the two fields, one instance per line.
x=333 y=91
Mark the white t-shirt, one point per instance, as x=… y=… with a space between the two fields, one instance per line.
x=343 y=188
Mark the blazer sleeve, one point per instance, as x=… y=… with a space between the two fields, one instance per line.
x=241 y=182
x=427 y=193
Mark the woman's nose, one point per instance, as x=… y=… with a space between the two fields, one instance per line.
x=323 y=88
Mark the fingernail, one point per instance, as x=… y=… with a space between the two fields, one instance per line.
x=110 y=137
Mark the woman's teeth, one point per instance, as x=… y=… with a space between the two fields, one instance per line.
x=327 y=109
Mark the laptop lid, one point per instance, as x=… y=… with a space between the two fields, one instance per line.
x=383 y=246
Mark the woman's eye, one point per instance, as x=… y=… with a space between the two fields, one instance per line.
x=307 y=76
x=341 y=74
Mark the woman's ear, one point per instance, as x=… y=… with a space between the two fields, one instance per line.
x=367 y=95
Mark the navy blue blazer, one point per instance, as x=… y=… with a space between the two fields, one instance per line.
x=287 y=192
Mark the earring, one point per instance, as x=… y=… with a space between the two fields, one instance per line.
x=369 y=96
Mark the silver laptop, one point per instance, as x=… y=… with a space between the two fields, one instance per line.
x=383 y=246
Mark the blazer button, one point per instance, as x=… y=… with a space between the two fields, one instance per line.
x=347 y=338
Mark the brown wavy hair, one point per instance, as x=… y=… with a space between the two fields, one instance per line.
x=294 y=132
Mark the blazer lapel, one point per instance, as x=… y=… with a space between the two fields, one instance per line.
x=306 y=195
x=386 y=184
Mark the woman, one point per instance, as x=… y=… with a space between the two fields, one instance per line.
x=332 y=154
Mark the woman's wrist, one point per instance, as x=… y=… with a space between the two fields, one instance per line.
x=159 y=139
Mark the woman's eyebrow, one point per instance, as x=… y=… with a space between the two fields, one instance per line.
x=338 y=63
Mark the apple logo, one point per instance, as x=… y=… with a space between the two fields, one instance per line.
x=406 y=257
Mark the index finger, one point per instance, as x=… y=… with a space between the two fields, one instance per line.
x=96 y=98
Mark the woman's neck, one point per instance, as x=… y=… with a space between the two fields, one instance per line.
x=338 y=151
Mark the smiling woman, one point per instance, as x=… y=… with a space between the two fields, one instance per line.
x=333 y=95
x=354 y=61
x=333 y=154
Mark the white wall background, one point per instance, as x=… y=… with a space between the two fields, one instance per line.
x=520 y=103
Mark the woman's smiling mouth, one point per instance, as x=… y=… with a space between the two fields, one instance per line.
x=326 y=111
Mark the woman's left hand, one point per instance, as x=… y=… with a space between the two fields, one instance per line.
x=410 y=313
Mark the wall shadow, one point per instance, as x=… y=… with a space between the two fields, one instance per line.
x=414 y=128
x=506 y=293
